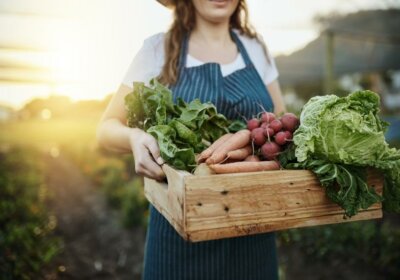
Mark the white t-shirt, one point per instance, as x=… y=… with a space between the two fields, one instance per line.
x=226 y=69
x=149 y=61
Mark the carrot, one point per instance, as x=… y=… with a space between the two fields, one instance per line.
x=245 y=166
x=237 y=141
x=240 y=154
x=208 y=152
x=252 y=158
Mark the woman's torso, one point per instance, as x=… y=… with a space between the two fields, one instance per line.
x=167 y=255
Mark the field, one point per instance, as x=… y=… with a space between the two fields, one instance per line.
x=93 y=199
x=49 y=132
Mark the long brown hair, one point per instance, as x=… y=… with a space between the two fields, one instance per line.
x=184 y=22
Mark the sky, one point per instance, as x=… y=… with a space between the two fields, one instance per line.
x=82 y=48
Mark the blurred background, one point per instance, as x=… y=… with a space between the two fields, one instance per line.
x=70 y=210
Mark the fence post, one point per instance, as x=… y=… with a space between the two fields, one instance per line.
x=329 y=60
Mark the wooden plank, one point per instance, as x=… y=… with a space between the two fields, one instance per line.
x=236 y=204
x=202 y=235
x=157 y=194
x=214 y=203
x=220 y=182
x=168 y=199
x=211 y=223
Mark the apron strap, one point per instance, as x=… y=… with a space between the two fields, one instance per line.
x=241 y=48
x=184 y=52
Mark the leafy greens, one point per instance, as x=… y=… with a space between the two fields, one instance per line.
x=181 y=129
x=338 y=139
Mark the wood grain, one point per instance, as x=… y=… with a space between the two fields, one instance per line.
x=271 y=226
x=226 y=205
x=168 y=199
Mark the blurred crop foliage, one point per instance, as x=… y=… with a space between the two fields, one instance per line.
x=27 y=239
x=374 y=244
x=71 y=134
x=27 y=242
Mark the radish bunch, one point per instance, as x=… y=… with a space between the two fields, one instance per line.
x=271 y=134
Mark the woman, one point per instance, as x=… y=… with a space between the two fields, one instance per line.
x=210 y=53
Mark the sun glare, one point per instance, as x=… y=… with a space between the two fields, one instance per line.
x=45 y=114
x=82 y=48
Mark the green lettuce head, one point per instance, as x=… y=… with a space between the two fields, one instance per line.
x=342 y=130
x=347 y=132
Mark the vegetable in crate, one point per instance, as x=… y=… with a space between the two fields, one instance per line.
x=338 y=139
x=234 y=153
x=238 y=152
x=181 y=129
x=272 y=134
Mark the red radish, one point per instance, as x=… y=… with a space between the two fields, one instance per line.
x=269 y=132
x=276 y=125
x=264 y=125
x=257 y=135
x=280 y=138
x=289 y=135
x=267 y=117
x=253 y=123
x=270 y=150
x=290 y=122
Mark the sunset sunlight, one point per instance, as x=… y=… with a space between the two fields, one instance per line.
x=83 y=50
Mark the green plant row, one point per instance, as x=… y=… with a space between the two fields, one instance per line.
x=27 y=242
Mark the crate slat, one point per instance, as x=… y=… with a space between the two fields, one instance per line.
x=271 y=226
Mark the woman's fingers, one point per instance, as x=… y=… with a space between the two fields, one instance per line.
x=145 y=155
x=154 y=150
x=146 y=152
x=145 y=166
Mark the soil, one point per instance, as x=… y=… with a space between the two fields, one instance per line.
x=96 y=246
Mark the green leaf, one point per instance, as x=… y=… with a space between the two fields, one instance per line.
x=134 y=106
x=237 y=125
x=344 y=185
x=185 y=133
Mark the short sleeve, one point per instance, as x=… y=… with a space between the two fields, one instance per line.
x=263 y=62
x=147 y=63
x=271 y=72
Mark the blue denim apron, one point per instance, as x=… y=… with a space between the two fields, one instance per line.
x=167 y=255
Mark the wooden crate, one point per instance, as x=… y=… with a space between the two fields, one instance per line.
x=227 y=205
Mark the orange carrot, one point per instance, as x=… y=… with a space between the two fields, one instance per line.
x=252 y=158
x=208 y=152
x=245 y=166
x=240 y=154
x=237 y=141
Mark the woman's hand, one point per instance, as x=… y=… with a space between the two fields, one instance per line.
x=146 y=154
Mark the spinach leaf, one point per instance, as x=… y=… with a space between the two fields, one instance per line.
x=181 y=129
x=237 y=125
x=181 y=158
